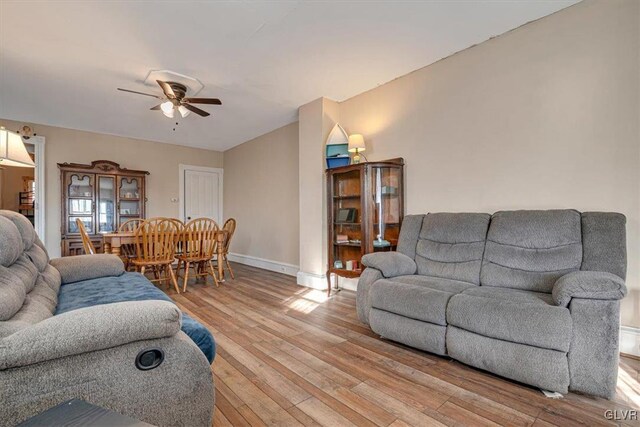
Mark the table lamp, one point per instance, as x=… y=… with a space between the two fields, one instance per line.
x=12 y=150
x=356 y=145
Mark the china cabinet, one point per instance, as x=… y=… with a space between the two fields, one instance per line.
x=102 y=195
x=365 y=205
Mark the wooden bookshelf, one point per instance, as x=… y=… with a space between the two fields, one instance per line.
x=376 y=191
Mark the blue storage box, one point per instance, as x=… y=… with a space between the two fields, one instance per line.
x=335 y=162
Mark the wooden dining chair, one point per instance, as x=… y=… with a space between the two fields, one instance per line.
x=198 y=244
x=128 y=250
x=155 y=241
x=180 y=225
x=230 y=228
x=130 y=225
x=87 y=244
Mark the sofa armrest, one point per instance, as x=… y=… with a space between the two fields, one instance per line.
x=588 y=285
x=85 y=267
x=390 y=264
x=89 y=329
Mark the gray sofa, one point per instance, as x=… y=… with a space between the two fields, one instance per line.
x=533 y=296
x=89 y=353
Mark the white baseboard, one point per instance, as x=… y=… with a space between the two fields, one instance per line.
x=267 y=264
x=312 y=280
x=630 y=340
x=309 y=280
x=319 y=281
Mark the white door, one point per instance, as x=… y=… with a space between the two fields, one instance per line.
x=202 y=194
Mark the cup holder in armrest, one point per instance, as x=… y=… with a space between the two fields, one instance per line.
x=149 y=358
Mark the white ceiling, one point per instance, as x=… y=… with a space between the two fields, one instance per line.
x=61 y=61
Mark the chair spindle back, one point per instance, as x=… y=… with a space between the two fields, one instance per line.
x=230 y=228
x=199 y=239
x=87 y=244
x=156 y=240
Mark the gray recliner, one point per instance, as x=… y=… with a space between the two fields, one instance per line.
x=89 y=353
x=533 y=296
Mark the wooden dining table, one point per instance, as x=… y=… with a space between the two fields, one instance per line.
x=112 y=242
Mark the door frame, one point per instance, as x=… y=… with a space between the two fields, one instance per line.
x=182 y=168
x=38 y=143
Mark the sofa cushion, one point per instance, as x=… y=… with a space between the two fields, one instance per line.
x=416 y=297
x=128 y=287
x=11 y=243
x=540 y=367
x=409 y=234
x=28 y=287
x=451 y=245
x=512 y=315
x=415 y=333
x=24 y=226
x=531 y=249
x=84 y=267
x=604 y=242
x=12 y=293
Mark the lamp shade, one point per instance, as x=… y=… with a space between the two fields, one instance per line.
x=12 y=150
x=356 y=143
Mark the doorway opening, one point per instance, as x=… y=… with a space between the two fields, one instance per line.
x=22 y=189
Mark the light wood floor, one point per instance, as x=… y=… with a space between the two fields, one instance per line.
x=287 y=356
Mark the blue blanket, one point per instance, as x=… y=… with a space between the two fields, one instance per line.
x=129 y=287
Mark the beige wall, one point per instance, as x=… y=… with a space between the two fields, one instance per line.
x=545 y=116
x=261 y=192
x=161 y=160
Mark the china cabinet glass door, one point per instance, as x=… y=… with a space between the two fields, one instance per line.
x=80 y=202
x=386 y=207
x=130 y=198
x=347 y=221
x=106 y=204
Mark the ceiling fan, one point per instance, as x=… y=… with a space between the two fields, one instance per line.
x=174 y=99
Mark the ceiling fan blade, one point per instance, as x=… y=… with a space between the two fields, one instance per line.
x=166 y=88
x=213 y=101
x=196 y=110
x=157 y=107
x=140 y=93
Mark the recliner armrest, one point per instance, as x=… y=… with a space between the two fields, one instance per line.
x=85 y=267
x=588 y=285
x=89 y=329
x=390 y=264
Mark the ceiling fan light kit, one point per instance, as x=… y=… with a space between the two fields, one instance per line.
x=167 y=109
x=175 y=99
x=183 y=111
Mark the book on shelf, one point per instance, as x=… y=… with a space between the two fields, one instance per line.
x=342 y=238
